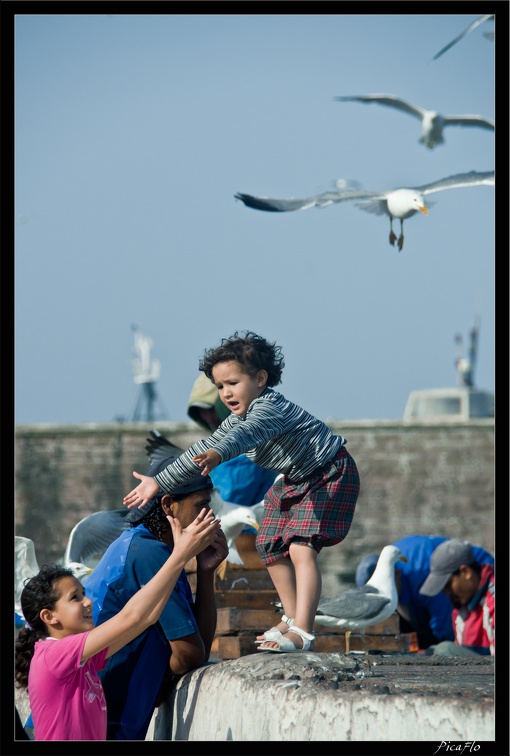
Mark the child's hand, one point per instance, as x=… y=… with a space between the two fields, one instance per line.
x=199 y=535
x=143 y=492
x=208 y=460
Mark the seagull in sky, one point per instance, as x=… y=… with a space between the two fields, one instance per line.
x=398 y=204
x=470 y=28
x=432 y=122
x=359 y=608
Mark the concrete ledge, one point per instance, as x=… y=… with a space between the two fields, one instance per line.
x=332 y=697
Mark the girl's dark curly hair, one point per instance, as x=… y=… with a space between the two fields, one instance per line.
x=252 y=352
x=40 y=592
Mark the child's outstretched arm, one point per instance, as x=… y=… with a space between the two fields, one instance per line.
x=144 y=608
x=143 y=491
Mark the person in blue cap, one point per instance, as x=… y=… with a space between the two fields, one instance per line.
x=430 y=617
x=136 y=678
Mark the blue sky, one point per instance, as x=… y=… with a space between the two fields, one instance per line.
x=134 y=132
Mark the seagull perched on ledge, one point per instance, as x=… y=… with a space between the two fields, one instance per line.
x=396 y=203
x=359 y=608
x=432 y=122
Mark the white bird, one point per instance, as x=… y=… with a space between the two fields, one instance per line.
x=359 y=608
x=470 y=28
x=234 y=519
x=396 y=203
x=432 y=122
x=90 y=538
x=87 y=542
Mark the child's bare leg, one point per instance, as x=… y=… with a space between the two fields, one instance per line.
x=308 y=589
x=284 y=580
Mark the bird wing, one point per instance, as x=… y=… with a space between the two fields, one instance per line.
x=318 y=200
x=470 y=28
x=353 y=604
x=91 y=536
x=158 y=447
x=469 y=120
x=390 y=100
x=473 y=178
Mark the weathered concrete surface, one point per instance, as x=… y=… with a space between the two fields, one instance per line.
x=332 y=697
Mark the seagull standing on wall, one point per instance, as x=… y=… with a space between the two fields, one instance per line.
x=396 y=203
x=432 y=122
x=359 y=608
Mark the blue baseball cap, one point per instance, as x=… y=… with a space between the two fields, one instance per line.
x=197 y=483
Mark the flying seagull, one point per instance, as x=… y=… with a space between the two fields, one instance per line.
x=470 y=28
x=90 y=538
x=396 y=203
x=432 y=122
x=359 y=608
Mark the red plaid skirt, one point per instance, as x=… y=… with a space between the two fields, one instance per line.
x=316 y=512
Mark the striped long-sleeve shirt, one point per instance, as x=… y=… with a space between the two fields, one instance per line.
x=274 y=433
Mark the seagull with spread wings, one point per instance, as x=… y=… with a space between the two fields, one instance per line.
x=398 y=204
x=432 y=122
x=470 y=28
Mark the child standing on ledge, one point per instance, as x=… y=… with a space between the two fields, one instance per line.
x=309 y=507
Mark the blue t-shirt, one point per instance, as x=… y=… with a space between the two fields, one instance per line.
x=434 y=612
x=133 y=676
x=241 y=481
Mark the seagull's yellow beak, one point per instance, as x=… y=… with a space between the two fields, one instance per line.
x=423 y=210
x=403 y=559
x=256 y=526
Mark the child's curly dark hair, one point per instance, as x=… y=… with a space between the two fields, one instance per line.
x=252 y=352
x=40 y=592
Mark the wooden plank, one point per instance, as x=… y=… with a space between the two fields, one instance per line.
x=232 y=620
x=246 y=599
x=235 y=646
x=243 y=579
x=389 y=626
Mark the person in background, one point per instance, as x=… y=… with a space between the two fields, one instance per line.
x=136 y=680
x=455 y=571
x=311 y=504
x=60 y=651
x=430 y=617
x=237 y=480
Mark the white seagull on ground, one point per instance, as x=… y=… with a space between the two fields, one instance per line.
x=359 y=608
x=432 y=122
x=470 y=28
x=396 y=203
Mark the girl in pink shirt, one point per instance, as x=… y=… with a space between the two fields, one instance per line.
x=59 y=651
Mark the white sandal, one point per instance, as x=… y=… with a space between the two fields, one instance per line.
x=274 y=634
x=286 y=646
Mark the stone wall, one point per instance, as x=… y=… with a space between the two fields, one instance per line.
x=430 y=479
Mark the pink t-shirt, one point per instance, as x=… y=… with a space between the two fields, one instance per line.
x=66 y=697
